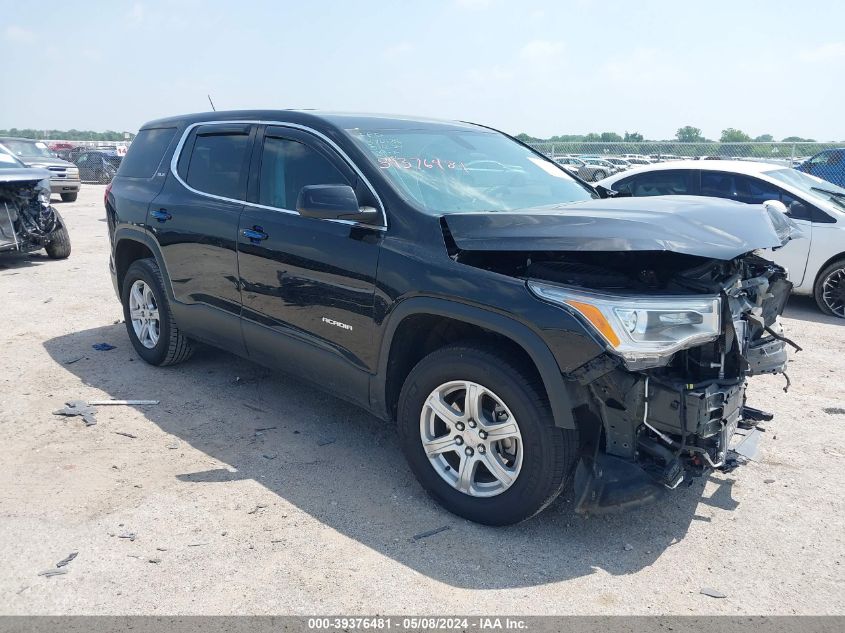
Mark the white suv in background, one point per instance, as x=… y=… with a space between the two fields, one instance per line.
x=816 y=264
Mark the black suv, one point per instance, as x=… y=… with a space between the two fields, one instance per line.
x=447 y=277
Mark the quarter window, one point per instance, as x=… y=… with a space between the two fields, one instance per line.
x=146 y=151
x=287 y=166
x=218 y=164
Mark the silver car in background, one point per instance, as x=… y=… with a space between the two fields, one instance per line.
x=584 y=170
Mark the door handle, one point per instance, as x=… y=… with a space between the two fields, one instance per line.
x=255 y=235
x=161 y=215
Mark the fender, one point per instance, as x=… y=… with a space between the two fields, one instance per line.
x=519 y=333
x=138 y=234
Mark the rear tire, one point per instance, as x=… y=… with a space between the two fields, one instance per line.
x=829 y=291
x=169 y=346
x=70 y=197
x=544 y=456
x=59 y=245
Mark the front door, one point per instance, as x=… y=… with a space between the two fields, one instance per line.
x=307 y=284
x=751 y=190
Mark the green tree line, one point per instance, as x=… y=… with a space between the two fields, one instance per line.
x=66 y=135
x=685 y=134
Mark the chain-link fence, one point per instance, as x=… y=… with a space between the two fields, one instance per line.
x=595 y=160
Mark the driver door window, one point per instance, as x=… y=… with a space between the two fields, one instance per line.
x=287 y=166
x=669 y=182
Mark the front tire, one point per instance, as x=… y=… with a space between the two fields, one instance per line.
x=149 y=318
x=59 y=245
x=829 y=291
x=479 y=435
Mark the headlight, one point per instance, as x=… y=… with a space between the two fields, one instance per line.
x=44 y=191
x=644 y=331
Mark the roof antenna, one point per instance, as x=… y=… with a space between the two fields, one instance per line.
x=212 y=103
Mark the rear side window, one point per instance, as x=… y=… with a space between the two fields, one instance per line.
x=288 y=166
x=144 y=155
x=218 y=164
x=669 y=182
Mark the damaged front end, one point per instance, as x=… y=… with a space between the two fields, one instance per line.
x=27 y=221
x=686 y=310
x=670 y=414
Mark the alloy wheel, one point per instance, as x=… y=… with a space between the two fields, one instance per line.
x=833 y=292
x=471 y=438
x=143 y=311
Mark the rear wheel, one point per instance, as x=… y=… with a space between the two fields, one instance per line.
x=70 y=197
x=148 y=317
x=830 y=289
x=478 y=433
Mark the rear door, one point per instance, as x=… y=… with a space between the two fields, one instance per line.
x=82 y=162
x=307 y=284
x=195 y=220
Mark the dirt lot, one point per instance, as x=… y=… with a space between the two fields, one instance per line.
x=317 y=513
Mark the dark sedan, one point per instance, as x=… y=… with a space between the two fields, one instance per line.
x=97 y=165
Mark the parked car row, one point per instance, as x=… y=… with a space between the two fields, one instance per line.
x=64 y=175
x=69 y=166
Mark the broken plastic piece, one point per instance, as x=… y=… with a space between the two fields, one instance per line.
x=103 y=347
x=423 y=535
x=80 y=408
x=606 y=484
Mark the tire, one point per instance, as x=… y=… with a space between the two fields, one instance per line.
x=831 y=302
x=170 y=346
x=59 y=245
x=70 y=197
x=548 y=453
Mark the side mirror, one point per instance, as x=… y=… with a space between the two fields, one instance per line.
x=776 y=205
x=604 y=192
x=333 y=202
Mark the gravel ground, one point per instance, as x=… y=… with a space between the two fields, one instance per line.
x=317 y=513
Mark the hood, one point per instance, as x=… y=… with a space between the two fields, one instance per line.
x=706 y=227
x=45 y=161
x=23 y=174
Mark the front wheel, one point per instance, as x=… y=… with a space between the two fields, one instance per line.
x=479 y=435
x=59 y=245
x=148 y=317
x=830 y=289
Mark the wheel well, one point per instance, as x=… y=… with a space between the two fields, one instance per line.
x=128 y=251
x=419 y=335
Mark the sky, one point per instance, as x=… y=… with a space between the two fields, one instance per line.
x=548 y=67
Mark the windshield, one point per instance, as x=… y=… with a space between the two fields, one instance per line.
x=28 y=148
x=809 y=185
x=456 y=171
x=7 y=160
